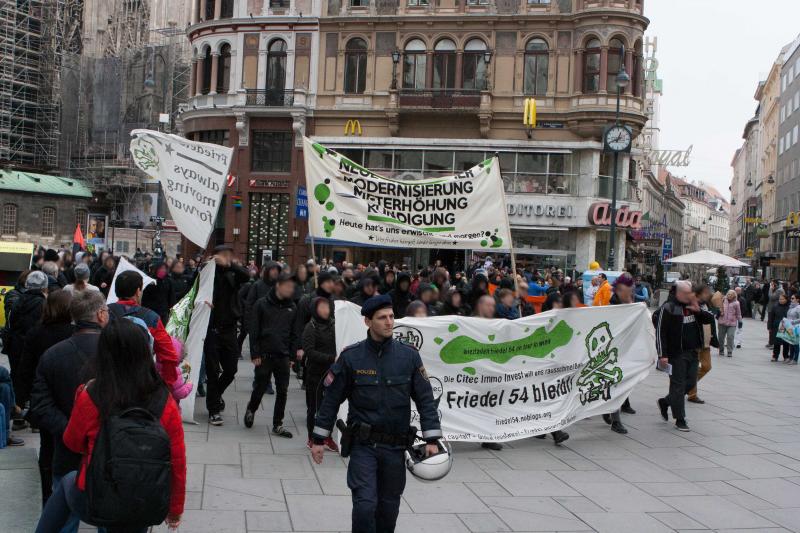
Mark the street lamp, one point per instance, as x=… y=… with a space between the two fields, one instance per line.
x=623 y=79
x=395 y=61
x=487 y=58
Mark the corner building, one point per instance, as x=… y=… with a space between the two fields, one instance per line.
x=413 y=88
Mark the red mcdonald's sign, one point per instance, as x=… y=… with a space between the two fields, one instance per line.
x=600 y=215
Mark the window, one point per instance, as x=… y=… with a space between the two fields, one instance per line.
x=224 y=70
x=268 y=225
x=477 y=2
x=473 y=72
x=797 y=100
x=780 y=146
x=209 y=14
x=415 y=61
x=355 y=66
x=9 y=219
x=418 y=2
x=48 y=221
x=783 y=114
x=272 y=151
x=359 y=3
x=794 y=135
x=444 y=64
x=278 y=4
x=591 y=67
x=537 y=59
x=276 y=65
x=227 y=9
x=538 y=1
x=615 y=62
x=205 y=86
x=220 y=137
x=81 y=218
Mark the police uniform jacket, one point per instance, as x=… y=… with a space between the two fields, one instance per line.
x=379 y=380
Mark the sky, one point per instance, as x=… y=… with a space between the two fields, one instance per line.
x=711 y=56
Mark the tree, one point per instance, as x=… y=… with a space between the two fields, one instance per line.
x=723 y=284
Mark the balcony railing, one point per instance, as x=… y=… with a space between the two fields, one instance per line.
x=270 y=97
x=440 y=98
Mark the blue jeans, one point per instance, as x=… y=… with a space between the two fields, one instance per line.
x=795 y=352
x=65 y=507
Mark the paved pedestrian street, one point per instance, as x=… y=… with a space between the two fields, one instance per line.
x=738 y=470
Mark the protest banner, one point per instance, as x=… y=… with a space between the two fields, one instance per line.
x=188 y=322
x=124 y=266
x=350 y=203
x=192 y=177
x=502 y=380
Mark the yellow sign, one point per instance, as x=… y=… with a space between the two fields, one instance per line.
x=351 y=127
x=753 y=220
x=749 y=252
x=16 y=247
x=793 y=219
x=529 y=113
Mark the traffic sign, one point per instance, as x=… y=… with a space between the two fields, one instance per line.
x=301 y=206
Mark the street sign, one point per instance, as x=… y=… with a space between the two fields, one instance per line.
x=749 y=253
x=301 y=205
x=666 y=249
x=793 y=234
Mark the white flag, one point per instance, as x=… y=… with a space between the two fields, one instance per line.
x=349 y=203
x=192 y=177
x=124 y=266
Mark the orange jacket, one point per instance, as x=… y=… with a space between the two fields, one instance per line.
x=603 y=294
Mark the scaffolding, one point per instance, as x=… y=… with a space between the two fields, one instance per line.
x=34 y=36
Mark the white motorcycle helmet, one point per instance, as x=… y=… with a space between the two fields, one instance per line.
x=430 y=468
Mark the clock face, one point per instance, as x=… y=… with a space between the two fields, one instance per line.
x=618 y=138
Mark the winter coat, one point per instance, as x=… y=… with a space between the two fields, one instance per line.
x=779 y=312
x=271 y=328
x=38 y=340
x=25 y=314
x=305 y=310
x=160 y=297
x=227 y=310
x=181 y=284
x=603 y=294
x=510 y=313
x=401 y=299
x=731 y=313
x=319 y=347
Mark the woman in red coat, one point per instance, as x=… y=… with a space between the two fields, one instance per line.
x=125 y=378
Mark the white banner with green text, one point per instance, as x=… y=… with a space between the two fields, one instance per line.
x=501 y=380
x=348 y=202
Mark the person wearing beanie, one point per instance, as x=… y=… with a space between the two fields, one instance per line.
x=326 y=284
x=81 y=282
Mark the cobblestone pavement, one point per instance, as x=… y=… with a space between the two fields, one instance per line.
x=738 y=470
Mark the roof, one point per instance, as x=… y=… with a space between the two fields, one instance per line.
x=12 y=180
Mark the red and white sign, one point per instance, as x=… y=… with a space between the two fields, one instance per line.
x=231 y=180
x=600 y=215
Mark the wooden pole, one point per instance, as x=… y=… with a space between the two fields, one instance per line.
x=511 y=241
x=314 y=257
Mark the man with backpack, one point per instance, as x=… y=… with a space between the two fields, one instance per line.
x=129 y=292
x=62 y=368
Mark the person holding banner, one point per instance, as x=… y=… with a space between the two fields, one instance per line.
x=378 y=376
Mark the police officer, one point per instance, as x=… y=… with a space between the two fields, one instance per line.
x=379 y=376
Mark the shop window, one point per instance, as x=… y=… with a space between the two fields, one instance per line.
x=272 y=151
x=9 y=219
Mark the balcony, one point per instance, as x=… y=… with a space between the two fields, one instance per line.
x=270 y=97
x=440 y=98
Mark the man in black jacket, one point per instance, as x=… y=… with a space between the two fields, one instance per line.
x=400 y=295
x=220 y=349
x=679 y=338
x=62 y=368
x=305 y=307
x=272 y=345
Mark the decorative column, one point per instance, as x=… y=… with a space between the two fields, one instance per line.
x=199 y=78
x=202 y=14
x=195 y=8
x=193 y=77
x=217 y=9
x=629 y=70
x=214 y=72
x=552 y=59
x=604 y=69
x=578 y=89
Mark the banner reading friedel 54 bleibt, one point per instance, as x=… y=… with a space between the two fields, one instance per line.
x=192 y=176
x=349 y=203
x=502 y=380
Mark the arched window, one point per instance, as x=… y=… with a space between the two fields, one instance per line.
x=276 y=65
x=473 y=70
x=227 y=9
x=591 y=67
x=415 y=62
x=224 y=69
x=205 y=83
x=81 y=218
x=355 y=66
x=48 y=221
x=9 y=220
x=537 y=60
x=444 y=64
x=616 y=50
x=209 y=14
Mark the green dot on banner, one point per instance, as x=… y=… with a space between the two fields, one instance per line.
x=452 y=328
x=484 y=243
x=469 y=370
x=329 y=206
x=438 y=340
x=491 y=337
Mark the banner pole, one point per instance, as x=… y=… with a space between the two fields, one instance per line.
x=314 y=257
x=511 y=243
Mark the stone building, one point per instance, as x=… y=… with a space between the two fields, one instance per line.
x=42 y=209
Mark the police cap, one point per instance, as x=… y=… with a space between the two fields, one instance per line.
x=372 y=305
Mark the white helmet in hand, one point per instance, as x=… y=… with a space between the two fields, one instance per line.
x=432 y=467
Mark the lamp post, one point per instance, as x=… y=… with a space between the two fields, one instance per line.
x=395 y=61
x=623 y=79
x=487 y=59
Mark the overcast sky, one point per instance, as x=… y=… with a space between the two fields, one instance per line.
x=711 y=54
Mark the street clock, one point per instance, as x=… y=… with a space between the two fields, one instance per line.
x=617 y=139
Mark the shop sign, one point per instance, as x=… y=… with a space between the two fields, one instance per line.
x=269 y=184
x=793 y=234
x=301 y=205
x=666 y=250
x=541 y=210
x=600 y=215
x=670 y=158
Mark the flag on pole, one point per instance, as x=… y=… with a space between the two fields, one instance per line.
x=78 y=242
x=231 y=180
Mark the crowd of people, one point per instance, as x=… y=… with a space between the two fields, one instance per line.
x=62 y=337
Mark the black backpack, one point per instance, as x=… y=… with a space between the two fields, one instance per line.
x=129 y=476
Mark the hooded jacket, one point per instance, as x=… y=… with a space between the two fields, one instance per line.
x=261 y=287
x=271 y=332
x=360 y=296
x=672 y=321
x=305 y=310
x=449 y=309
x=401 y=298
x=476 y=291
x=25 y=314
x=319 y=345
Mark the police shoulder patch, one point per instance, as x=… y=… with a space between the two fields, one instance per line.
x=424 y=373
